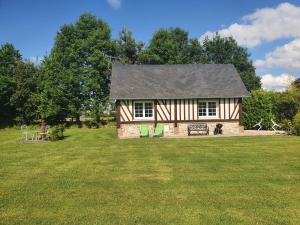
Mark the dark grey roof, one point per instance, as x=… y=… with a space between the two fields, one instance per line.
x=176 y=81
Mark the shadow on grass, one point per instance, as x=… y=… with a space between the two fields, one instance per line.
x=66 y=137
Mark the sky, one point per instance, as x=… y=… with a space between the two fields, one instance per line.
x=270 y=29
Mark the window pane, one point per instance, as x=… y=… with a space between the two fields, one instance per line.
x=138 y=109
x=148 y=109
x=212 y=108
x=202 y=109
x=211 y=104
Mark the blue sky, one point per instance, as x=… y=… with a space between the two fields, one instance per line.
x=271 y=31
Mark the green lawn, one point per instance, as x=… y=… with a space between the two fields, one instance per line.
x=91 y=177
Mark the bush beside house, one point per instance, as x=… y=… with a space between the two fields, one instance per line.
x=259 y=105
x=282 y=107
x=297 y=123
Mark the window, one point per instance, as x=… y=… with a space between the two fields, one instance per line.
x=212 y=108
x=202 y=108
x=148 y=109
x=207 y=109
x=143 y=110
x=138 y=109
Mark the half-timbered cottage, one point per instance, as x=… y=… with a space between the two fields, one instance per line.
x=177 y=95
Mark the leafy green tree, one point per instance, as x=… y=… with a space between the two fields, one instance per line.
x=77 y=70
x=25 y=97
x=195 y=51
x=9 y=59
x=225 y=50
x=259 y=105
x=55 y=96
x=167 y=46
x=129 y=48
x=7 y=112
x=19 y=82
x=287 y=103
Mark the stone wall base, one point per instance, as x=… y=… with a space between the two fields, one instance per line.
x=133 y=130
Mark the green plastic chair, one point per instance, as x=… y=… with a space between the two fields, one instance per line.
x=159 y=130
x=144 y=130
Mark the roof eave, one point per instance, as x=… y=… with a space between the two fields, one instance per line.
x=147 y=98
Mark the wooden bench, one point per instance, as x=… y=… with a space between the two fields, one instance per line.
x=198 y=128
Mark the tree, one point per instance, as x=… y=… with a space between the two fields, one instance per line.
x=25 y=97
x=19 y=81
x=9 y=59
x=129 y=48
x=225 y=50
x=195 y=51
x=77 y=70
x=167 y=46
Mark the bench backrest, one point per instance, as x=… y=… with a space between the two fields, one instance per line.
x=197 y=126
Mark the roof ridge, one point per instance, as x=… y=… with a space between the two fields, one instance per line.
x=188 y=64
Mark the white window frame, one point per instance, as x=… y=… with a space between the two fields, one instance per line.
x=207 y=114
x=143 y=117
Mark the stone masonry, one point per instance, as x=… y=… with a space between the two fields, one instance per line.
x=133 y=130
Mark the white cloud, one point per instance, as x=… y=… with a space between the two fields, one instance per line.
x=277 y=83
x=115 y=4
x=264 y=25
x=286 y=56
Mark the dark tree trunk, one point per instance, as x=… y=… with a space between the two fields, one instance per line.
x=78 y=122
x=97 y=117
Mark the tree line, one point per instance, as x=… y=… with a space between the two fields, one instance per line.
x=73 y=80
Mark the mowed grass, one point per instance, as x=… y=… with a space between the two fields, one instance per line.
x=91 y=177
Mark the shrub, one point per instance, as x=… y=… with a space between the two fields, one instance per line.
x=92 y=123
x=258 y=106
x=297 y=123
x=297 y=118
x=288 y=126
x=297 y=129
x=57 y=132
x=286 y=105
